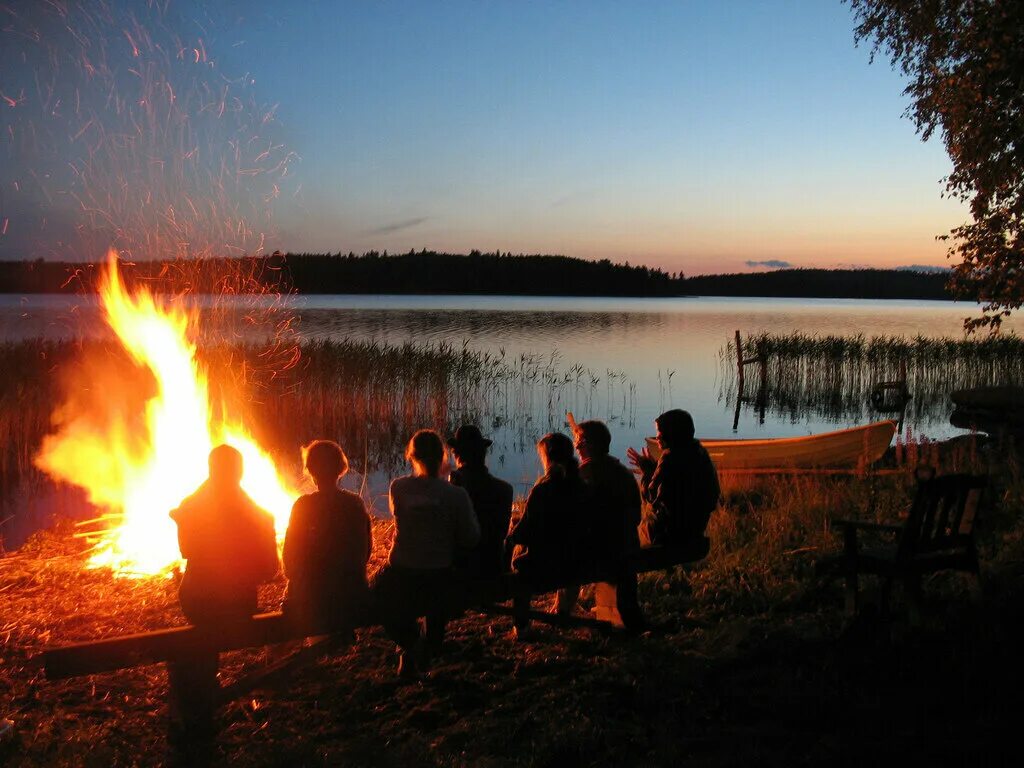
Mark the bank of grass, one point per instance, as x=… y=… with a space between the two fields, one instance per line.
x=834 y=375
x=750 y=660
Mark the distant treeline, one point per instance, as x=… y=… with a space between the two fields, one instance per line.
x=825 y=284
x=429 y=272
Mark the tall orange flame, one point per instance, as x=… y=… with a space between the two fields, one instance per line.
x=138 y=478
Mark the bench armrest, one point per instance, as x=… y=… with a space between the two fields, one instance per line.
x=867 y=525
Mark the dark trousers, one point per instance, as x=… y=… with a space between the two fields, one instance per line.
x=626 y=600
x=622 y=579
x=402 y=595
x=192 y=708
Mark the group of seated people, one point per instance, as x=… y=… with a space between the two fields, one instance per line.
x=584 y=520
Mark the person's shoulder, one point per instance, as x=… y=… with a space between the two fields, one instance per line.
x=249 y=505
x=455 y=491
x=349 y=500
x=302 y=507
x=620 y=468
x=305 y=501
x=402 y=483
x=190 y=506
x=503 y=486
x=546 y=486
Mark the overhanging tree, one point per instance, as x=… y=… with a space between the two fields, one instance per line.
x=965 y=62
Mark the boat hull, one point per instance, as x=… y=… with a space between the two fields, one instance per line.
x=843 y=448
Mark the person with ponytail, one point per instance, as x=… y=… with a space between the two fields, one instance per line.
x=551 y=534
x=433 y=520
x=328 y=545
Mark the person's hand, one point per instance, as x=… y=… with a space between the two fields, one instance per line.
x=643 y=461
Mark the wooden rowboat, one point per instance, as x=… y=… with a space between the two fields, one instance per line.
x=843 y=448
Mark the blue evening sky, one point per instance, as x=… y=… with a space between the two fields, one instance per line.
x=694 y=136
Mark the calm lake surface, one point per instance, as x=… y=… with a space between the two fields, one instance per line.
x=659 y=353
x=623 y=360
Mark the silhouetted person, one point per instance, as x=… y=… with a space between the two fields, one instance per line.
x=614 y=514
x=433 y=518
x=228 y=542
x=492 y=502
x=229 y=546
x=552 y=530
x=327 y=545
x=681 y=488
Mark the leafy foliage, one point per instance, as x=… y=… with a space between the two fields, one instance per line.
x=965 y=61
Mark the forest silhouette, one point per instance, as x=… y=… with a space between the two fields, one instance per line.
x=477 y=273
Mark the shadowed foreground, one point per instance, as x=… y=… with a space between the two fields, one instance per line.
x=754 y=663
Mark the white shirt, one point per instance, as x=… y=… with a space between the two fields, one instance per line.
x=432 y=518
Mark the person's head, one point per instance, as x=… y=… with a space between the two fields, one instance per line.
x=325 y=462
x=556 y=453
x=675 y=428
x=592 y=439
x=468 y=445
x=425 y=452
x=225 y=466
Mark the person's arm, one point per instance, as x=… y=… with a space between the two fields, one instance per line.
x=296 y=542
x=467 y=527
x=631 y=499
x=369 y=532
x=505 y=513
x=360 y=531
x=661 y=492
x=270 y=565
x=184 y=532
x=392 y=504
x=646 y=467
x=522 y=533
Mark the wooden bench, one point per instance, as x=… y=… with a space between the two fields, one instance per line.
x=179 y=647
x=162 y=645
x=647 y=559
x=937 y=534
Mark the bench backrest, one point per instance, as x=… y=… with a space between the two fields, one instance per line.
x=943 y=514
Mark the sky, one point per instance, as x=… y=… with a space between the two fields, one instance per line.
x=692 y=136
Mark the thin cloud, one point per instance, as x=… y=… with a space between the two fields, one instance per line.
x=398 y=226
x=770 y=263
x=927 y=268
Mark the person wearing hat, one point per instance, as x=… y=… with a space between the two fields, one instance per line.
x=492 y=502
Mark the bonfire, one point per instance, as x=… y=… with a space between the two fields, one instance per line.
x=137 y=467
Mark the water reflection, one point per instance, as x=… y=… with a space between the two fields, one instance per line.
x=621 y=360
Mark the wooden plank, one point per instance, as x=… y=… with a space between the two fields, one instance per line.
x=811 y=471
x=160 y=645
x=277 y=672
x=553 y=619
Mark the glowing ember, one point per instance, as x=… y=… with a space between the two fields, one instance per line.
x=138 y=478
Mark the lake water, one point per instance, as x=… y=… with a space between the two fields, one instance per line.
x=638 y=357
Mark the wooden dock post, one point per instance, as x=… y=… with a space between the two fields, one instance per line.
x=761 y=358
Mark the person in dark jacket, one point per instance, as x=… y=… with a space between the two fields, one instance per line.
x=228 y=543
x=229 y=546
x=614 y=514
x=492 y=502
x=552 y=532
x=327 y=545
x=681 y=488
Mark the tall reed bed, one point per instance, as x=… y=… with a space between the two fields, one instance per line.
x=367 y=395
x=833 y=376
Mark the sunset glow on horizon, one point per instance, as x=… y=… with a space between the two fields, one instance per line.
x=682 y=136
